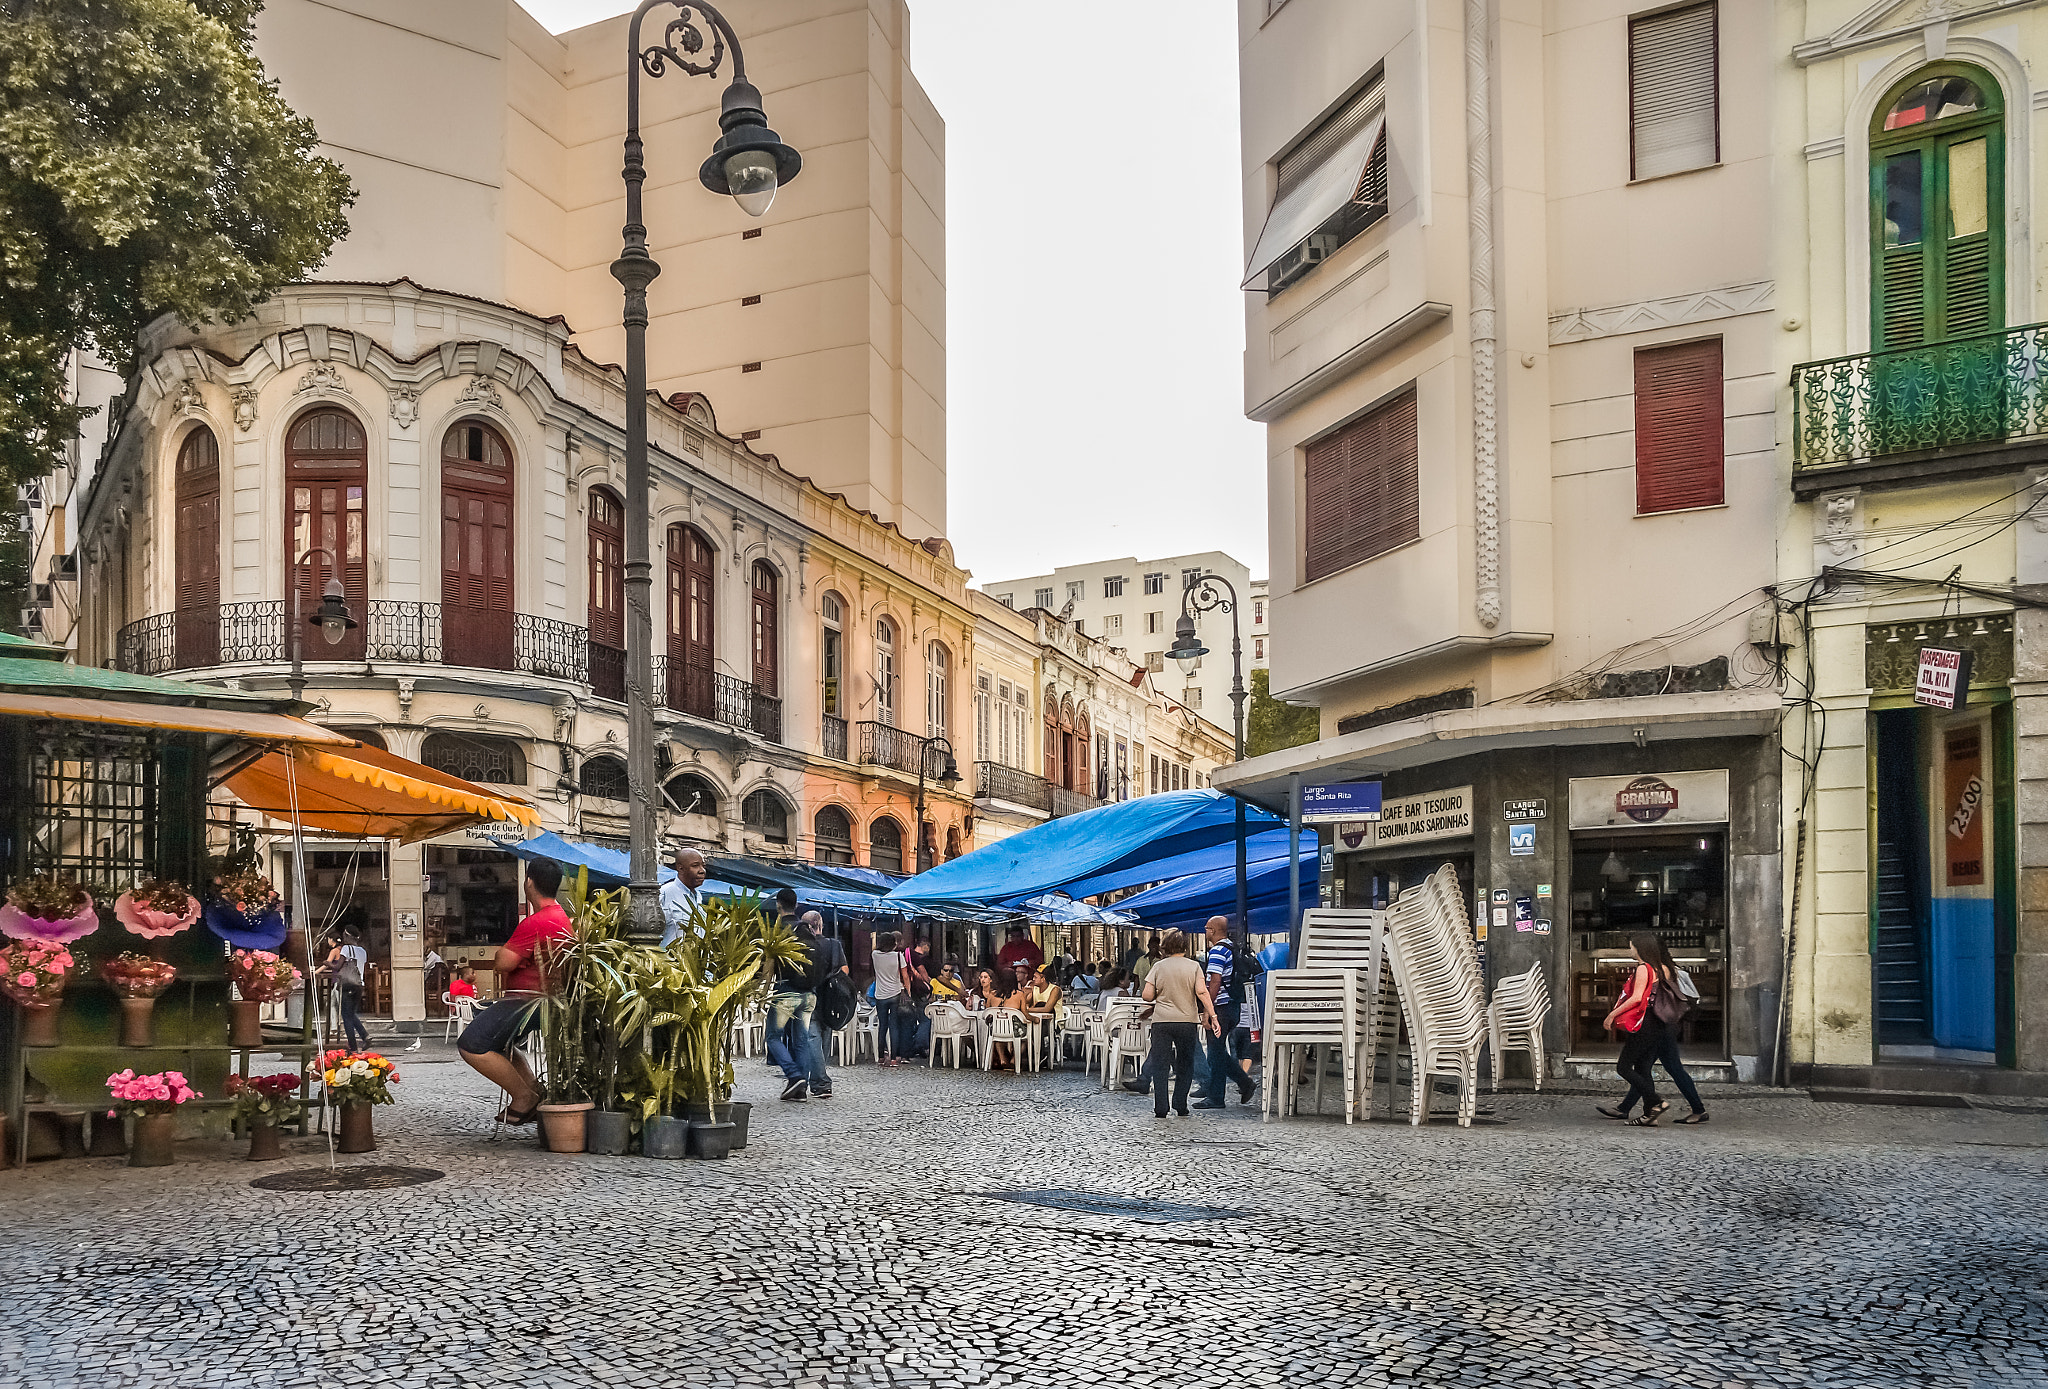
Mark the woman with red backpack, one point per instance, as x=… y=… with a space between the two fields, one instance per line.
x=1649 y=1009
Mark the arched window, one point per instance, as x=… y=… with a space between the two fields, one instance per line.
x=937 y=672
x=1070 y=764
x=1937 y=151
x=765 y=814
x=196 y=634
x=477 y=757
x=833 y=832
x=832 y=656
x=327 y=463
x=691 y=794
x=952 y=841
x=604 y=777
x=606 y=526
x=885 y=845
x=1084 y=779
x=692 y=615
x=885 y=671
x=767 y=641
x=1052 y=738
x=476 y=547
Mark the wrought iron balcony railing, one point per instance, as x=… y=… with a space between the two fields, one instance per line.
x=995 y=782
x=835 y=737
x=607 y=670
x=1985 y=388
x=1065 y=802
x=884 y=745
x=391 y=630
x=708 y=694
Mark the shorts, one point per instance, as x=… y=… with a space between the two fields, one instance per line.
x=499 y=1027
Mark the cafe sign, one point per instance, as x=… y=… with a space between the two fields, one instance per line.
x=1651 y=798
x=1405 y=820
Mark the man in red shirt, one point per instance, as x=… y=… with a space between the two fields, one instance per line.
x=487 y=1043
x=1019 y=949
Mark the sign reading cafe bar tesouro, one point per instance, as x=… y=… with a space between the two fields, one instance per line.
x=1433 y=815
x=1650 y=799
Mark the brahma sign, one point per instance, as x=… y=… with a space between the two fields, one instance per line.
x=1649 y=798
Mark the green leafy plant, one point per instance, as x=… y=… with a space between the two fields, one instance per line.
x=1272 y=725
x=730 y=950
x=576 y=970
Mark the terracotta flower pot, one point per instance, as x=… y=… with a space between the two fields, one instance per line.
x=38 y=1024
x=263 y=1143
x=155 y=1143
x=135 y=1022
x=245 y=1023
x=355 y=1134
x=562 y=1126
x=294 y=948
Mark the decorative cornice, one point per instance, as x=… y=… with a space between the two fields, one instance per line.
x=1730 y=301
x=1862 y=31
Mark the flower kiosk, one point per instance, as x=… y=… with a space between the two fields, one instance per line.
x=137 y=944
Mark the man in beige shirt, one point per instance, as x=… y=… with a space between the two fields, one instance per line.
x=1180 y=1004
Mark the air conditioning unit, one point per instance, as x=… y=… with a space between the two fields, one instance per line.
x=64 y=568
x=42 y=595
x=1318 y=249
x=30 y=493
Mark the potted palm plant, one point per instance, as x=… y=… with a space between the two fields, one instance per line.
x=733 y=948
x=619 y=1012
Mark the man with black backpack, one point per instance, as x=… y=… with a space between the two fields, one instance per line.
x=791 y=1001
x=1230 y=972
x=836 y=998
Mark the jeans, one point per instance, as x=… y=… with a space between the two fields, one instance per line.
x=352 y=1022
x=821 y=1079
x=1173 y=1049
x=897 y=1022
x=1666 y=1051
x=1224 y=1067
x=789 y=1015
x=1639 y=1051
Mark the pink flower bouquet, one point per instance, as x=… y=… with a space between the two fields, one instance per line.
x=262 y=976
x=161 y=1093
x=156 y=909
x=138 y=976
x=57 y=910
x=32 y=972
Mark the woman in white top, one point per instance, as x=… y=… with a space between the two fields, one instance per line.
x=890 y=1002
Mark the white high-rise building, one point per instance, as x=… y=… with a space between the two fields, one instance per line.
x=1133 y=604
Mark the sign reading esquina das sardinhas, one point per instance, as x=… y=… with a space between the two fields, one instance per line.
x=1445 y=814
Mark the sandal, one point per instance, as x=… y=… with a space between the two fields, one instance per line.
x=517 y=1118
x=1643 y=1121
x=1609 y=1112
x=1656 y=1111
x=1698 y=1116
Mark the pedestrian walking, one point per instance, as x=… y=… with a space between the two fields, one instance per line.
x=792 y=999
x=1180 y=1008
x=1224 y=988
x=1644 y=1015
x=891 y=1002
x=344 y=968
x=837 y=1001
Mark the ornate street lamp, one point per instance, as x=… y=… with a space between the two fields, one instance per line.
x=1203 y=595
x=949 y=777
x=332 y=617
x=749 y=162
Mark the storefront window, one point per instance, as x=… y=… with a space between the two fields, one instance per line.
x=1673 y=885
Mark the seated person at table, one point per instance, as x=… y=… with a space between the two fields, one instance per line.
x=986 y=994
x=489 y=1043
x=1041 y=997
x=947 y=986
x=460 y=987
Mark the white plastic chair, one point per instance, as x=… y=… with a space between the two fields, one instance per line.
x=951 y=1029
x=1073 y=1027
x=1130 y=1040
x=1008 y=1026
x=1095 y=1042
x=1514 y=1020
x=863 y=1034
x=461 y=1012
x=1436 y=971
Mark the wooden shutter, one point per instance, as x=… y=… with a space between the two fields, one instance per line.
x=476 y=547
x=327 y=461
x=607 y=529
x=198 y=513
x=766 y=642
x=1361 y=490
x=1673 y=92
x=1680 y=458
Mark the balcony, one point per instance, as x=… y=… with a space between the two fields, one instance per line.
x=834 y=733
x=707 y=694
x=1065 y=802
x=400 y=632
x=995 y=782
x=884 y=745
x=1968 y=407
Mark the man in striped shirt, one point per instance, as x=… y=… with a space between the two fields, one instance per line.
x=1223 y=1067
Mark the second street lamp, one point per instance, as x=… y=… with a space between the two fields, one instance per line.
x=1203 y=595
x=332 y=617
x=949 y=777
x=750 y=162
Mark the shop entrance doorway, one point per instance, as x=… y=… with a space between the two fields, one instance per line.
x=1673 y=885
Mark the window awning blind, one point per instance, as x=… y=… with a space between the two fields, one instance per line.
x=1673 y=74
x=1322 y=173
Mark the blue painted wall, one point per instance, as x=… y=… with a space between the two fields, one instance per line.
x=1960 y=966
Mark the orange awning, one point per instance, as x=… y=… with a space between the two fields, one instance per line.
x=369 y=793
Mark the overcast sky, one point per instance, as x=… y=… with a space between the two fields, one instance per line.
x=1093 y=244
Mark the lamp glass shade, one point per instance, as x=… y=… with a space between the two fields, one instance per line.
x=750 y=175
x=950 y=774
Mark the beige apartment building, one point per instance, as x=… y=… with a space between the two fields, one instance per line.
x=1648 y=390
x=1512 y=326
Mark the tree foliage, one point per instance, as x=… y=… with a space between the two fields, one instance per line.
x=146 y=166
x=1272 y=725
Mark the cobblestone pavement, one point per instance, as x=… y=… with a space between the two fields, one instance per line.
x=857 y=1242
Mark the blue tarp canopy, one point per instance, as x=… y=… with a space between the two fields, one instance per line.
x=608 y=867
x=1186 y=904
x=1262 y=845
x=1058 y=909
x=1112 y=846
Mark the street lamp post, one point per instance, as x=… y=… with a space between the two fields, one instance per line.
x=749 y=162
x=949 y=777
x=332 y=617
x=1202 y=596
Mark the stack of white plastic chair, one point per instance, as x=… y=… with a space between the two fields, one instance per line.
x=1514 y=1020
x=1128 y=1037
x=1331 y=999
x=1436 y=969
